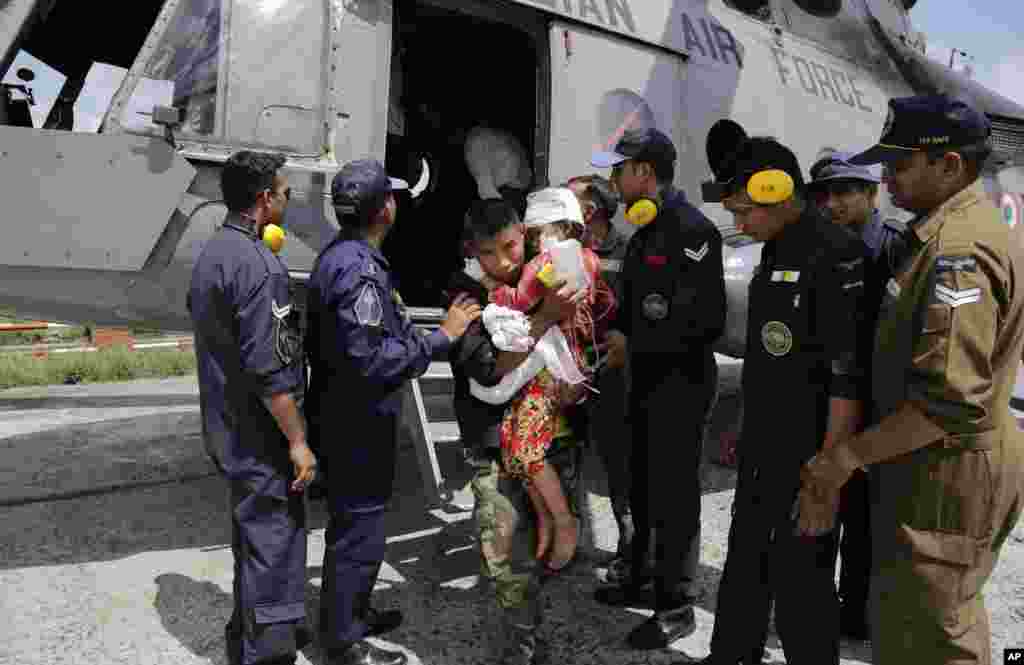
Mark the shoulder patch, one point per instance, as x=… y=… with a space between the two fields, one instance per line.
x=951 y=263
x=791 y=276
x=287 y=344
x=955 y=298
x=369 y=310
x=280 y=313
x=697 y=255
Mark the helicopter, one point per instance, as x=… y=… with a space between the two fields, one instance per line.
x=104 y=224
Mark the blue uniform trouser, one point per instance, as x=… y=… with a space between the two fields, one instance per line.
x=268 y=540
x=355 y=551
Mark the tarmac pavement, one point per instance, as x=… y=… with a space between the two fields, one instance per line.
x=115 y=546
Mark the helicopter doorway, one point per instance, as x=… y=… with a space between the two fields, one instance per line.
x=453 y=70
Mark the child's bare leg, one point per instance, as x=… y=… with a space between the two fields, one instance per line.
x=549 y=486
x=545 y=522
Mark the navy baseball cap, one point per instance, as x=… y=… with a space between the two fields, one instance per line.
x=751 y=156
x=837 y=166
x=360 y=187
x=926 y=122
x=644 y=145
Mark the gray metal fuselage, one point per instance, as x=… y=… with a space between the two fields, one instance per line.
x=93 y=243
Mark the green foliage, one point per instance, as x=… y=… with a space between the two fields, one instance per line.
x=52 y=336
x=115 y=364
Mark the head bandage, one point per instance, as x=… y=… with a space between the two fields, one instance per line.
x=553 y=204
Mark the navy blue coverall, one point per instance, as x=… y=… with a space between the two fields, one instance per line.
x=804 y=347
x=362 y=349
x=673 y=309
x=248 y=348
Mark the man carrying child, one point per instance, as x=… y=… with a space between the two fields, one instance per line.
x=495 y=240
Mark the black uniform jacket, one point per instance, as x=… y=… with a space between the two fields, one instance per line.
x=805 y=339
x=673 y=293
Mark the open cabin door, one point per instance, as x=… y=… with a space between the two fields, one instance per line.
x=602 y=85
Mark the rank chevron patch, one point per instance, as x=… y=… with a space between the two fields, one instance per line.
x=699 y=254
x=280 y=312
x=956 y=298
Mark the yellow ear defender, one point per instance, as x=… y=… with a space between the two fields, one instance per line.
x=273 y=237
x=770 y=187
x=642 y=212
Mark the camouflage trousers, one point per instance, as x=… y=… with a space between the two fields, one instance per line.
x=507 y=532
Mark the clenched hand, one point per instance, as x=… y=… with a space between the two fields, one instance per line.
x=304 y=462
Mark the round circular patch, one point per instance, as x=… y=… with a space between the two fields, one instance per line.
x=1011 y=214
x=777 y=338
x=655 y=307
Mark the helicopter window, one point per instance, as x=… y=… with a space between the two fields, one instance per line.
x=245 y=72
x=182 y=71
x=822 y=8
x=759 y=9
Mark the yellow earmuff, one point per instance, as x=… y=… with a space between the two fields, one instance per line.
x=770 y=187
x=273 y=237
x=642 y=212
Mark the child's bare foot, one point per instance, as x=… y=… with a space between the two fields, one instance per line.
x=545 y=532
x=565 y=543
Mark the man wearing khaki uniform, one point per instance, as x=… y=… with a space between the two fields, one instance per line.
x=946 y=453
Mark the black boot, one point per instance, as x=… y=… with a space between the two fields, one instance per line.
x=664 y=628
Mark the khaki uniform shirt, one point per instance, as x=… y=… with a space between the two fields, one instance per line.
x=950 y=333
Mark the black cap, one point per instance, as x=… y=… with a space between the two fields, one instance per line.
x=926 y=122
x=643 y=145
x=836 y=166
x=360 y=187
x=751 y=156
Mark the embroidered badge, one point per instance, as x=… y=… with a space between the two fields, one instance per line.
x=280 y=313
x=287 y=344
x=611 y=265
x=951 y=263
x=368 y=309
x=655 y=307
x=698 y=255
x=791 y=276
x=956 y=298
x=777 y=338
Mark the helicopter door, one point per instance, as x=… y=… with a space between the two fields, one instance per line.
x=601 y=86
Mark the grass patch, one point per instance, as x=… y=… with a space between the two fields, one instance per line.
x=52 y=336
x=115 y=364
